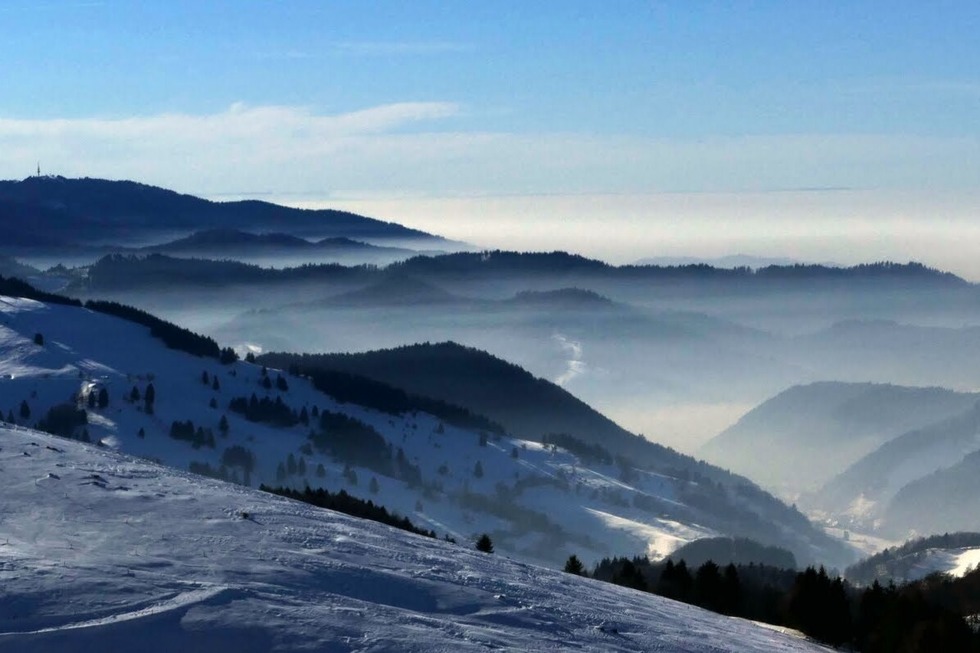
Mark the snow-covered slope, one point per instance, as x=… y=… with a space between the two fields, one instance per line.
x=539 y=502
x=102 y=551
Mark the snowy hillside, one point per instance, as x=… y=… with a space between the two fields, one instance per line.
x=539 y=502
x=953 y=554
x=101 y=551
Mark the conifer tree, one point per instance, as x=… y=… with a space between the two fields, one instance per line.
x=149 y=398
x=574 y=566
x=484 y=544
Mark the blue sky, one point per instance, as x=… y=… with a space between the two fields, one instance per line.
x=397 y=106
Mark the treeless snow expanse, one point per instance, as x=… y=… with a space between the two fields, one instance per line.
x=101 y=551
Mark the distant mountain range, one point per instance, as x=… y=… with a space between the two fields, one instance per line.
x=460 y=271
x=731 y=261
x=802 y=437
x=51 y=211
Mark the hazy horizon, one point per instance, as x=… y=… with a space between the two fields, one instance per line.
x=655 y=129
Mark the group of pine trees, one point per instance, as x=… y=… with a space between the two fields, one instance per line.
x=919 y=617
x=347 y=504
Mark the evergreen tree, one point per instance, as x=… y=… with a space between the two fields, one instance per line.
x=281 y=384
x=291 y=464
x=280 y=473
x=223 y=425
x=708 y=586
x=103 y=398
x=149 y=398
x=478 y=470
x=320 y=470
x=731 y=598
x=304 y=417
x=39 y=339
x=266 y=383
x=141 y=433
x=10 y=417
x=373 y=485
x=205 y=379
x=214 y=383
x=574 y=566
x=91 y=400
x=301 y=466
x=25 y=410
x=484 y=544
x=134 y=394
x=629 y=575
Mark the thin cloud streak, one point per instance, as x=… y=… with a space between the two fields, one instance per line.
x=398 y=48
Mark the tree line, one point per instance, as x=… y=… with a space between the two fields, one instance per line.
x=920 y=617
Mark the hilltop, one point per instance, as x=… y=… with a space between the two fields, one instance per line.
x=75 y=211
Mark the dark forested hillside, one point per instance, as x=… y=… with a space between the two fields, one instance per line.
x=526 y=406
x=103 y=209
x=538 y=410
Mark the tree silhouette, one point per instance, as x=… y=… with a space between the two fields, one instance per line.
x=484 y=544
x=574 y=566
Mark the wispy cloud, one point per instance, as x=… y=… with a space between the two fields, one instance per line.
x=405 y=150
x=398 y=48
x=260 y=147
x=574 y=365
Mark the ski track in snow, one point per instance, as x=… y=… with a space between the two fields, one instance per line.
x=154 y=559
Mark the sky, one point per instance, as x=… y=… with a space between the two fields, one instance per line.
x=823 y=131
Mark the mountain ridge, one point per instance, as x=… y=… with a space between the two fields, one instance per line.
x=69 y=208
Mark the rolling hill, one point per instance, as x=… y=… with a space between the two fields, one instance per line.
x=422 y=458
x=804 y=436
